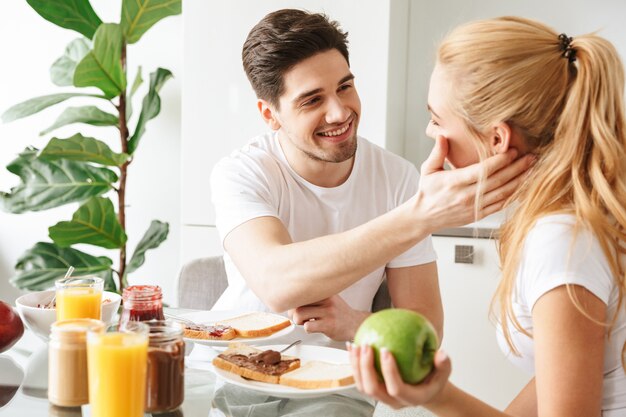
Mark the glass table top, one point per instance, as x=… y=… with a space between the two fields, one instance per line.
x=24 y=379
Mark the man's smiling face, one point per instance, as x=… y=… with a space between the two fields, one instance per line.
x=319 y=110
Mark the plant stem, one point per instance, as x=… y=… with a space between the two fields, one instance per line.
x=121 y=192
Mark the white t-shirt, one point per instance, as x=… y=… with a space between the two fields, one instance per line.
x=257 y=181
x=549 y=260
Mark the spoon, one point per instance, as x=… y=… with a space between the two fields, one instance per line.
x=50 y=303
x=297 y=342
x=180 y=319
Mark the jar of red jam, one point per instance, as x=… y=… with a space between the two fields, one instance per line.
x=142 y=303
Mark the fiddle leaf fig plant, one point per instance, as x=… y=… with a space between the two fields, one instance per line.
x=81 y=169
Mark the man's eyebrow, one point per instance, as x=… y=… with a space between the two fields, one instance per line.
x=309 y=93
x=430 y=109
x=346 y=79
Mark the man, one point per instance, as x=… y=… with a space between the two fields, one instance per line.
x=312 y=216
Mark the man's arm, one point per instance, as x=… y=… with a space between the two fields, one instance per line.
x=286 y=274
x=417 y=288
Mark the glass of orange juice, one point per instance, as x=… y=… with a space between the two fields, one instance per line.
x=117 y=361
x=79 y=298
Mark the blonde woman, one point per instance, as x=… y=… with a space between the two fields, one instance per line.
x=515 y=83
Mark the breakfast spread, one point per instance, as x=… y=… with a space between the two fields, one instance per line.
x=272 y=367
x=256 y=324
x=67 y=361
x=166 y=367
x=255 y=364
x=209 y=332
x=142 y=303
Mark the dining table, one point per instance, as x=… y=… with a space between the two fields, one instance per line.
x=24 y=385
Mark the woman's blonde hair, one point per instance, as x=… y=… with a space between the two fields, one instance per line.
x=570 y=113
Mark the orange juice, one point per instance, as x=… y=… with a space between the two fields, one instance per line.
x=78 y=303
x=117 y=365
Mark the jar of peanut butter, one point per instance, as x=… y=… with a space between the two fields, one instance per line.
x=166 y=366
x=67 y=361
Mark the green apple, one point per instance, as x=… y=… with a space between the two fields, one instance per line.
x=408 y=335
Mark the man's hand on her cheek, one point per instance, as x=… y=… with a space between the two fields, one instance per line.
x=447 y=198
x=331 y=316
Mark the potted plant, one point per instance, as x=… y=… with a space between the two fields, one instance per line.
x=80 y=169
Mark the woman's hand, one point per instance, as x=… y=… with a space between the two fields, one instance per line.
x=394 y=391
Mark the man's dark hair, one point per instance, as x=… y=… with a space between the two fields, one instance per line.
x=281 y=40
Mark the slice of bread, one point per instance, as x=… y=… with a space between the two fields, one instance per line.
x=318 y=374
x=209 y=332
x=256 y=324
x=239 y=359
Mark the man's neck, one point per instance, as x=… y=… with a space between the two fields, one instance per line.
x=317 y=172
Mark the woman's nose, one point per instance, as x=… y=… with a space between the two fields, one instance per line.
x=431 y=131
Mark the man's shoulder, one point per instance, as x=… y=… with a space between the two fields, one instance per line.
x=260 y=147
x=376 y=156
x=258 y=154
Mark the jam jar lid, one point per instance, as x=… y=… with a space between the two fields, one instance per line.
x=143 y=293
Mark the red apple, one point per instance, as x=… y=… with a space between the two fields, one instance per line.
x=11 y=327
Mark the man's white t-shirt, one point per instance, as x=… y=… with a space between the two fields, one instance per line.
x=257 y=181
x=551 y=258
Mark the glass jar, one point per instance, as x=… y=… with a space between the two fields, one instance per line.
x=141 y=303
x=166 y=366
x=67 y=361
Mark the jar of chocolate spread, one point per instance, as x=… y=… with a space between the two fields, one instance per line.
x=141 y=303
x=166 y=366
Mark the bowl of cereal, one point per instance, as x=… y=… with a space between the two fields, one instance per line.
x=37 y=315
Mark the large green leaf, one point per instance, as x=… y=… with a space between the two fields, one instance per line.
x=94 y=223
x=41 y=265
x=140 y=15
x=82 y=148
x=91 y=115
x=129 y=98
x=151 y=106
x=62 y=71
x=47 y=184
x=102 y=67
x=37 y=104
x=77 y=15
x=154 y=236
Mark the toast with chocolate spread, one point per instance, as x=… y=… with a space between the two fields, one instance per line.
x=255 y=364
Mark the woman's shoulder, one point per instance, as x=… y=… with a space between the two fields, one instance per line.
x=560 y=250
x=557 y=228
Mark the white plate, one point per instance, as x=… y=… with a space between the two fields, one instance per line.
x=211 y=317
x=305 y=353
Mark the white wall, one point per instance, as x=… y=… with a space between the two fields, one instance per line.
x=30 y=45
x=478 y=364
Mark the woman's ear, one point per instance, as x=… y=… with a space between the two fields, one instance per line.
x=500 y=140
x=268 y=114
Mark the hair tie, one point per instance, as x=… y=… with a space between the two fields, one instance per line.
x=565 y=45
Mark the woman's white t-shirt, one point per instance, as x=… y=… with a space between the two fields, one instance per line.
x=552 y=258
x=257 y=181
